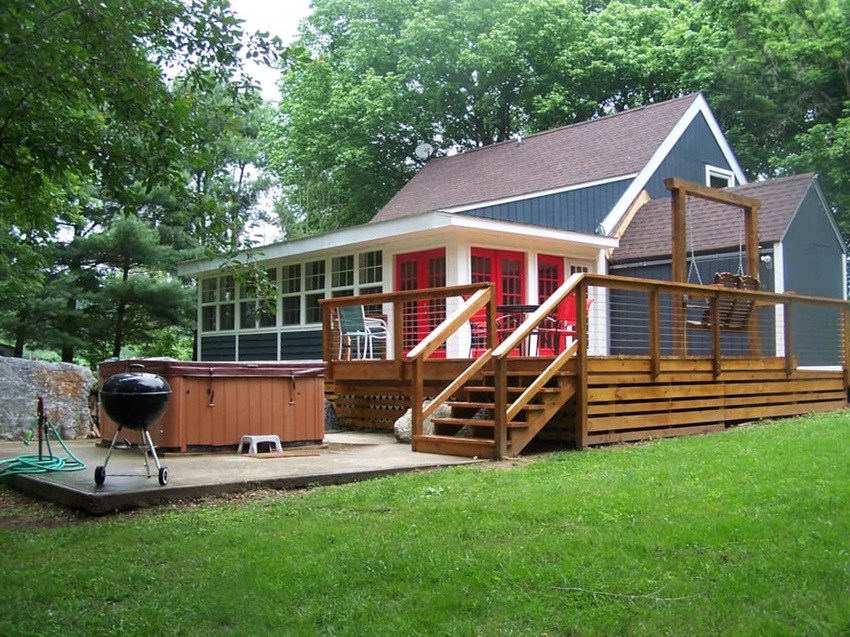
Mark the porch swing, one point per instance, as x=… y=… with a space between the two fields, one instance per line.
x=733 y=313
x=717 y=313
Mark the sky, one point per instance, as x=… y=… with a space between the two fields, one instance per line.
x=278 y=17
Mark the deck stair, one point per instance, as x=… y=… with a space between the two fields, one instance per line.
x=469 y=431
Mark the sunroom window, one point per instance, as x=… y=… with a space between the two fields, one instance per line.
x=257 y=312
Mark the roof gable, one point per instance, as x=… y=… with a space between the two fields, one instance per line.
x=713 y=226
x=593 y=151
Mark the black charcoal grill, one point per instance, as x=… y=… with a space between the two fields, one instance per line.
x=135 y=399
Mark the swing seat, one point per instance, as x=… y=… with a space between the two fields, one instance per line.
x=734 y=313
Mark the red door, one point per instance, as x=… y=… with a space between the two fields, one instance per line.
x=507 y=271
x=417 y=271
x=550 y=275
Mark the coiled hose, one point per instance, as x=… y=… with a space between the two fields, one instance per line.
x=40 y=463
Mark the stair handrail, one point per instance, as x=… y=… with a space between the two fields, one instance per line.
x=524 y=331
x=534 y=319
x=435 y=339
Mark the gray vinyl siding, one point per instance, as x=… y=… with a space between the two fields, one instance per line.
x=813 y=267
x=301 y=346
x=688 y=158
x=258 y=347
x=218 y=348
x=576 y=210
x=629 y=323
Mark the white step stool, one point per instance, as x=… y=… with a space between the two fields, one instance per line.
x=252 y=441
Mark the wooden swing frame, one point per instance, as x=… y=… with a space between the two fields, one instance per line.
x=680 y=190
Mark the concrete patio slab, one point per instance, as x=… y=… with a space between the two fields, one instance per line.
x=345 y=457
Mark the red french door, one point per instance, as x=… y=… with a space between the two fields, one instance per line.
x=417 y=271
x=505 y=269
x=550 y=276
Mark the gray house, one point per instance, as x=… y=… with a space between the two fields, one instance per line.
x=524 y=214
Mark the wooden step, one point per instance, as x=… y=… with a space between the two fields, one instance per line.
x=475 y=422
x=452 y=446
x=462 y=404
x=525 y=373
x=511 y=390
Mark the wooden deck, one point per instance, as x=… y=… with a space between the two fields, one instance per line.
x=497 y=403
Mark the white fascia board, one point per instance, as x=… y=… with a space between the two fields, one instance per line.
x=383 y=233
x=699 y=106
x=529 y=231
x=539 y=193
x=367 y=234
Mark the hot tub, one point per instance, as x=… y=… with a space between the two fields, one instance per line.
x=213 y=404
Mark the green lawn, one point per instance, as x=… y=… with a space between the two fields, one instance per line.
x=746 y=532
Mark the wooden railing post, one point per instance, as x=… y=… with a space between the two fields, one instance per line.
x=417 y=395
x=846 y=348
x=398 y=336
x=716 y=342
x=500 y=416
x=581 y=431
x=788 y=336
x=654 y=332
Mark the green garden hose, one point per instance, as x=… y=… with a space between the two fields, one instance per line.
x=39 y=463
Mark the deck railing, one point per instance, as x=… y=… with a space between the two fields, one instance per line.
x=629 y=318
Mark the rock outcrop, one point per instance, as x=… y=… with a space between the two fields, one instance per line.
x=65 y=389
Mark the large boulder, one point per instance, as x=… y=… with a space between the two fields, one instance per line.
x=65 y=389
x=404 y=425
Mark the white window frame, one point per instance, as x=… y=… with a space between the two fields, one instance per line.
x=722 y=173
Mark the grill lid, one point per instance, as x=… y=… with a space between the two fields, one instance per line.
x=135 y=399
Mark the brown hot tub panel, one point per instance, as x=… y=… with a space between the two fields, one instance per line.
x=213 y=404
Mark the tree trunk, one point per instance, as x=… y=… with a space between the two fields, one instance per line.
x=20 y=341
x=119 y=330
x=120 y=315
x=67 y=348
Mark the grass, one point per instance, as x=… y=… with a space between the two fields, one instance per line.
x=741 y=533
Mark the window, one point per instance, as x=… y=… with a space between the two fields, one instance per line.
x=256 y=312
x=314 y=287
x=209 y=311
x=290 y=291
x=371 y=270
x=550 y=275
x=342 y=275
x=218 y=304
x=300 y=287
x=719 y=177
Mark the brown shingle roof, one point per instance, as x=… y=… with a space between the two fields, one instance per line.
x=713 y=226
x=603 y=148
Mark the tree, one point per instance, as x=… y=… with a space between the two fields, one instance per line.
x=388 y=75
x=104 y=115
x=73 y=71
x=777 y=74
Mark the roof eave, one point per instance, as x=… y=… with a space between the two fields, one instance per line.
x=392 y=229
